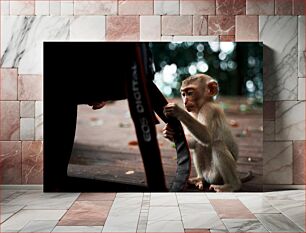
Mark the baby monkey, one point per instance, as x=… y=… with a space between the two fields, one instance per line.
x=215 y=150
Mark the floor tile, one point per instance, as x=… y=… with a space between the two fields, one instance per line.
x=38 y=200
x=5 y=194
x=238 y=225
x=277 y=223
x=202 y=220
x=165 y=213
x=96 y=197
x=90 y=213
x=189 y=198
x=125 y=202
x=297 y=195
x=23 y=217
x=258 y=205
x=9 y=210
x=167 y=199
x=191 y=208
x=129 y=195
x=221 y=195
x=122 y=219
x=165 y=226
x=294 y=210
x=13 y=196
x=39 y=226
x=197 y=230
x=231 y=208
x=74 y=229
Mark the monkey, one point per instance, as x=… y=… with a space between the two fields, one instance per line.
x=215 y=151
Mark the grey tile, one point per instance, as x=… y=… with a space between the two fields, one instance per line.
x=165 y=226
x=258 y=205
x=242 y=225
x=9 y=210
x=277 y=223
x=23 y=217
x=164 y=213
x=280 y=37
x=39 y=226
x=39 y=200
x=84 y=229
x=301 y=46
x=290 y=120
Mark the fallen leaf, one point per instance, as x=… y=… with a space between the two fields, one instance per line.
x=234 y=123
x=129 y=172
x=133 y=143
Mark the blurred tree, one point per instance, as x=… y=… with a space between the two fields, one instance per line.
x=236 y=66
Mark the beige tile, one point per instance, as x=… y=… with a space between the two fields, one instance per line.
x=27 y=109
x=135 y=7
x=9 y=120
x=225 y=210
x=150 y=28
x=10 y=162
x=203 y=7
x=260 y=7
x=95 y=7
x=230 y=7
x=221 y=25
x=8 y=84
x=176 y=25
x=32 y=162
x=283 y=7
x=200 y=25
x=298 y=7
x=27 y=129
x=166 y=7
x=122 y=28
x=29 y=87
x=86 y=213
x=247 y=28
x=39 y=120
x=22 y=7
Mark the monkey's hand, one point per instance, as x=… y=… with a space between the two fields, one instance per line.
x=168 y=132
x=197 y=181
x=173 y=110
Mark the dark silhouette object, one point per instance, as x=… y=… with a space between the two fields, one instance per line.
x=85 y=72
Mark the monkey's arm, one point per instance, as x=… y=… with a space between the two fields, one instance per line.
x=195 y=127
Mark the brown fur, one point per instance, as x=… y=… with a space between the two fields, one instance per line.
x=215 y=150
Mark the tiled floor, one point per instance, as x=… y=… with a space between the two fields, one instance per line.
x=25 y=209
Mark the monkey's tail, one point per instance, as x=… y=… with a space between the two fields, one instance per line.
x=249 y=176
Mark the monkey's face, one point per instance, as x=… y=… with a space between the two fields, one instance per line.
x=191 y=98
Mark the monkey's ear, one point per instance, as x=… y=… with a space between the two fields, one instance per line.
x=213 y=88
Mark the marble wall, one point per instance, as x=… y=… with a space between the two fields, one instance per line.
x=280 y=24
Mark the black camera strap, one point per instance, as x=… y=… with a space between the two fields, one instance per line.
x=145 y=99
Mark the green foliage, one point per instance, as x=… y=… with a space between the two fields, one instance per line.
x=236 y=66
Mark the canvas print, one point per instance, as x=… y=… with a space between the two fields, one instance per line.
x=153 y=116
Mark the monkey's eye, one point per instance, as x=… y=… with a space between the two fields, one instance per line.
x=189 y=93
